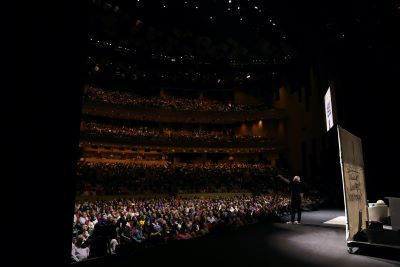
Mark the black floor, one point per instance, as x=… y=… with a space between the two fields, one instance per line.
x=264 y=244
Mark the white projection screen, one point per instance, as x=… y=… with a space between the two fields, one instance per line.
x=330 y=112
x=354 y=191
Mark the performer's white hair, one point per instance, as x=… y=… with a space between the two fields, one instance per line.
x=296 y=179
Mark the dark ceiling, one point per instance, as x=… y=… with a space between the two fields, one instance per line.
x=316 y=27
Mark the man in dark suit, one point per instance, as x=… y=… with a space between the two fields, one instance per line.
x=297 y=196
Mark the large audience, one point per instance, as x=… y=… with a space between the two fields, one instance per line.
x=112 y=111
x=168 y=135
x=148 y=206
x=184 y=104
x=135 y=178
x=124 y=225
x=155 y=216
x=125 y=205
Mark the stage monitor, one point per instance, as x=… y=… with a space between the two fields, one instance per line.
x=330 y=108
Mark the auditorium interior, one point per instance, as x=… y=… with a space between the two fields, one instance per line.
x=175 y=128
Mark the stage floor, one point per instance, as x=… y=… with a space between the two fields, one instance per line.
x=333 y=218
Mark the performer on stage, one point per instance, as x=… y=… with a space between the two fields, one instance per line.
x=297 y=196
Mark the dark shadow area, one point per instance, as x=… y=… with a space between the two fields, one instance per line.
x=385 y=253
